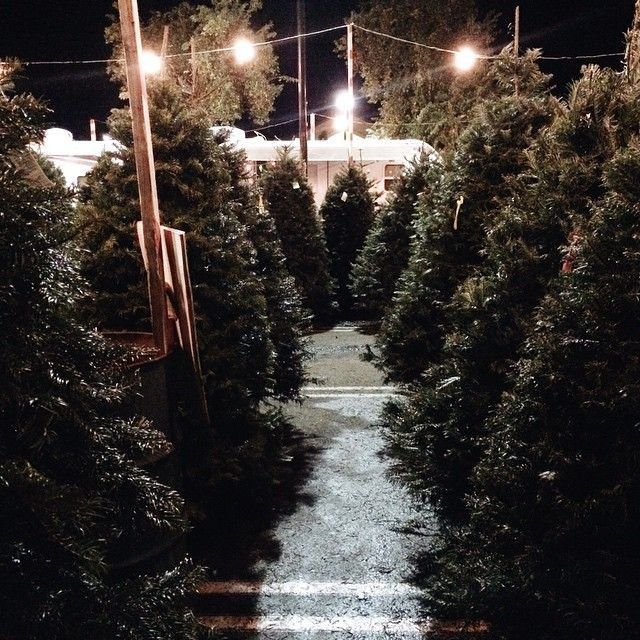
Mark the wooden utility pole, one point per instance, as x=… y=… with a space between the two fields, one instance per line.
x=165 y=42
x=193 y=67
x=350 y=100
x=302 y=84
x=632 y=55
x=137 y=88
x=516 y=50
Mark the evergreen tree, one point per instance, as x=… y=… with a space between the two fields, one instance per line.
x=221 y=90
x=74 y=504
x=347 y=212
x=284 y=305
x=420 y=93
x=451 y=222
x=437 y=433
x=556 y=498
x=385 y=253
x=289 y=200
x=196 y=196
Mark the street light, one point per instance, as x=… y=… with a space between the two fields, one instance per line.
x=341 y=122
x=244 y=51
x=465 y=59
x=344 y=101
x=150 y=62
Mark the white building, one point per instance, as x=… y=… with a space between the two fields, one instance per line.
x=383 y=160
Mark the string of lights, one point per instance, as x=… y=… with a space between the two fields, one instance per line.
x=265 y=43
x=315 y=33
x=483 y=56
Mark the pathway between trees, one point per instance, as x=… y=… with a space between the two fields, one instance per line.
x=338 y=565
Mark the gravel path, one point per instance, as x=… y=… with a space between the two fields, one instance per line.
x=343 y=568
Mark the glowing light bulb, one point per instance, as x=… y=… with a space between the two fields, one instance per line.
x=465 y=59
x=243 y=51
x=340 y=122
x=151 y=62
x=344 y=102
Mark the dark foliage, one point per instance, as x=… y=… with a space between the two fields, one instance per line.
x=452 y=221
x=556 y=498
x=438 y=432
x=289 y=200
x=347 y=213
x=73 y=502
x=385 y=253
x=240 y=290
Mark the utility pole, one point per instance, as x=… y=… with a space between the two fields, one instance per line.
x=350 y=100
x=632 y=55
x=302 y=85
x=137 y=88
x=516 y=50
x=193 y=66
x=165 y=42
x=312 y=126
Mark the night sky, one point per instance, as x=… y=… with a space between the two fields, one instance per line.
x=73 y=29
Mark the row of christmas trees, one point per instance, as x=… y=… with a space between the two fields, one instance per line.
x=507 y=277
x=90 y=543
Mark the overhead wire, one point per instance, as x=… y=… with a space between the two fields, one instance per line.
x=266 y=43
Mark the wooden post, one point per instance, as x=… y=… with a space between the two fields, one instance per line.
x=632 y=54
x=165 y=42
x=130 y=26
x=193 y=67
x=302 y=84
x=516 y=50
x=351 y=104
x=312 y=126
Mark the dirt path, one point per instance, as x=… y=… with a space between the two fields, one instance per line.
x=342 y=570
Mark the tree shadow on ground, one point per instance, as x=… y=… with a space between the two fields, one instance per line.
x=240 y=542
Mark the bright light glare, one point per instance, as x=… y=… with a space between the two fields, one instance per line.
x=344 y=101
x=244 y=51
x=151 y=62
x=465 y=59
x=340 y=123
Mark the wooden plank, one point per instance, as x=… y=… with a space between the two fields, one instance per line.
x=130 y=27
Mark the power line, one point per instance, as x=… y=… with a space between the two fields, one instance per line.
x=412 y=42
x=315 y=33
x=180 y=55
x=482 y=56
x=275 y=124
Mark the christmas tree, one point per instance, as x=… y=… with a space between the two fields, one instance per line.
x=77 y=509
x=385 y=253
x=284 y=304
x=347 y=212
x=197 y=196
x=289 y=200
x=451 y=222
x=553 y=523
x=437 y=434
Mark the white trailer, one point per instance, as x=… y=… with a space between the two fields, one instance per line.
x=383 y=160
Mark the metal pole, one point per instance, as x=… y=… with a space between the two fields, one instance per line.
x=350 y=104
x=302 y=85
x=130 y=25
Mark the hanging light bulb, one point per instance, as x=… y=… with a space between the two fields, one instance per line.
x=465 y=59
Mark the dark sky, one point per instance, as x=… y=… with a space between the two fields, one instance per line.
x=73 y=29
